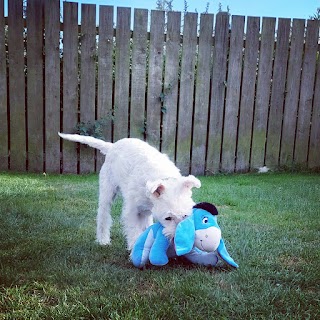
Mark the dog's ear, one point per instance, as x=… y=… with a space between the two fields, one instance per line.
x=190 y=182
x=155 y=188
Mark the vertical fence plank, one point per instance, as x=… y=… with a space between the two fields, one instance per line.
x=188 y=61
x=87 y=82
x=248 y=94
x=138 y=79
x=314 y=150
x=292 y=92
x=218 y=89
x=155 y=78
x=52 y=86
x=16 y=87
x=263 y=93
x=306 y=93
x=70 y=83
x=200 y=122
x=170 y=87
x=277 y=93
x=233 y=95
x=122 y=73
x=35 y=84
x=105 y=74
x=4 y=152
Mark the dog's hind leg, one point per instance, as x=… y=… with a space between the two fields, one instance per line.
x=107 y=192
x=134 y=222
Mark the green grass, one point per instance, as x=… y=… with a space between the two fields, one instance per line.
x=51 y=267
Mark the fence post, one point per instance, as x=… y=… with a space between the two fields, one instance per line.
x=218 y=91
x=233 y=95
x=4 y=152
x=18 y=151
x=52 y=85
x=122 y=72
x=70 y=84
x=171 y=83
x=292 y=92
x=138 y=82
x=262 y=93
x=88 y=80
x=306 y=93
x=188 y=62
x=200 y=121
x=247 y=94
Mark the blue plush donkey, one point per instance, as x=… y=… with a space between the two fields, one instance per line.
x=198 y=238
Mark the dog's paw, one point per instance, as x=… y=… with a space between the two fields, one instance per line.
x=103 y=242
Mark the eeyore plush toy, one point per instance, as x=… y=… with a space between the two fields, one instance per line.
x=198 y=238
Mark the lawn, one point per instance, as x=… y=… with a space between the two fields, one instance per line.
x=51 y=267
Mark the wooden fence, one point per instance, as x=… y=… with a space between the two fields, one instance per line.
x=216 y=93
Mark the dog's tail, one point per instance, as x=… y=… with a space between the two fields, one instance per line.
x=101 y=145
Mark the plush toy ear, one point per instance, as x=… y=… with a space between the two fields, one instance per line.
x=191 y=182
x=155 y=188
x=224 y=254
x=184 y=237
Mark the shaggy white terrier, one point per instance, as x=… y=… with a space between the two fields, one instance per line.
x=149 y=183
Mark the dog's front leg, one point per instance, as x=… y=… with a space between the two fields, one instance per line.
x=107 y=192
x=134 y=222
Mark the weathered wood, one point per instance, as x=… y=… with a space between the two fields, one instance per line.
x=263 y=93
x=171 y=82
x=70 y=84
x=122 y=73
x=138 y=83
x=87 y=82
x=52 y=86
x=105 y=75
x=16 y=87
x=292 y=92
x=4 y=152
x=306 y=93
x=35 y=24
x=188 y=61
x=247 y=94
x=277 y=94
x=218 y=90
x=233 y=95
x=200 y=120
x=314 y=149
x=264 y=97
x=155 y=78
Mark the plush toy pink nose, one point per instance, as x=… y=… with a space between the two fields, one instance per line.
x=208 y=239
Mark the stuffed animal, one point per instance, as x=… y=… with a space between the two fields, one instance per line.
x=198 y=238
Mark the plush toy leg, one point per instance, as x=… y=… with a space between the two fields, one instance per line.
x=158 y=253
x=141 y=249
x=202 y=258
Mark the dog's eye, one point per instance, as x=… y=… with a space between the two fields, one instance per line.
x=205 y=220
x=168 y=218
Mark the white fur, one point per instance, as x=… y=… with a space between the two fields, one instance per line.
x=149 y=183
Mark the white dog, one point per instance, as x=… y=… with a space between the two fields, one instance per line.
x=149 y=183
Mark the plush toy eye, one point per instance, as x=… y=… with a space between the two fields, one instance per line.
x=168 y=218
x=205 y=220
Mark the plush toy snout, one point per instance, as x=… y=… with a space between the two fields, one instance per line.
x=208 y=239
